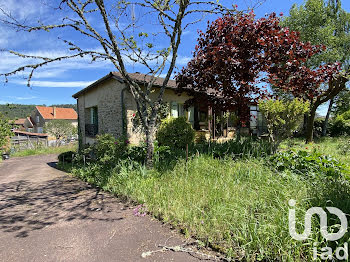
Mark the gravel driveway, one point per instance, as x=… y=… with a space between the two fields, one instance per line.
x=47 y=215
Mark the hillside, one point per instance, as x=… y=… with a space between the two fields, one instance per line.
x=14 y=111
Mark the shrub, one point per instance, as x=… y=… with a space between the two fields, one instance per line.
x=341 y=125
x=307 y=164
x=175 y=132
x=66 y=157
x=283 y=117
x=136 y=153
x=108 y=149
x=5 y=133
x=345 y=148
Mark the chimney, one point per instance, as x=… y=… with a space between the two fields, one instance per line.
x=54 y=112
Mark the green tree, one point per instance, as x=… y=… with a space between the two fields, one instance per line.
x=60 y=129
x=323 y=22
x=5 y=133
x=283 y=117
x=341 y=103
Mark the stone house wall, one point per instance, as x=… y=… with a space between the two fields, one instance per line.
x=108 y=97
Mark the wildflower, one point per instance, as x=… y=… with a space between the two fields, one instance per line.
x=140 y=211
x=127 y=142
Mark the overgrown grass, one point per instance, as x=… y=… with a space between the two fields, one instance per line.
x=239 y=207
x=327 y=146
x=45 y=151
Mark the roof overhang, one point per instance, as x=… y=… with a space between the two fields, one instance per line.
x=96 y=83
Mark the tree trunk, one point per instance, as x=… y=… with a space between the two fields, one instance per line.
x=325 y=123
x=150 y=147
x=150 y=132
x=310 y=125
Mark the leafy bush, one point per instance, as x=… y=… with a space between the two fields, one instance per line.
x=66 y=157
x=308 y=164
x=345 y=148
x=175 y=132
x=5 y=133
x=108 y=149
x=136 y=153
x=283 y=117
x=341 y=125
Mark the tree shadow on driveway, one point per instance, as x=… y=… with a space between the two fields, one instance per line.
x=26 y=206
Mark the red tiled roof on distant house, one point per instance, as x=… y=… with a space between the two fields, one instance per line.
x=57 y=113
x=19 y=121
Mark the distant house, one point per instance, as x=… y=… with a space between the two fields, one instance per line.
x=42 y=115
x=107 y=106
x=22 y=124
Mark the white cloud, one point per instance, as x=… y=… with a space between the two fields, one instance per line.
x=182 y=60
x=55 y=83
x=11 y=62
x=22 y=97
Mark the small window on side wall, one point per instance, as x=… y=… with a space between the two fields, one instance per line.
x=37 y=119
x=93 y=115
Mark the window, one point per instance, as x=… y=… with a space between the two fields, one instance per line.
x=93 y=116
x=40 y=130
x=37 y=119
x=177 y=109
x=30 y=129
x=174 y=109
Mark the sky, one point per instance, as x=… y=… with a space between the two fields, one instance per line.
x=57 y=82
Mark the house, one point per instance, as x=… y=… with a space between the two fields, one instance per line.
x=42 y=114
x=107 y=106
x=22 y=124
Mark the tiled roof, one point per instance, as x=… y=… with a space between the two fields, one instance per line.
x=61 y=113
x=19 y=132
x=138 y=77
x=142 y=78
x=19 y=121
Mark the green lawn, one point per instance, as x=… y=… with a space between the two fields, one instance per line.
x=45 y=151
x=239 y=207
